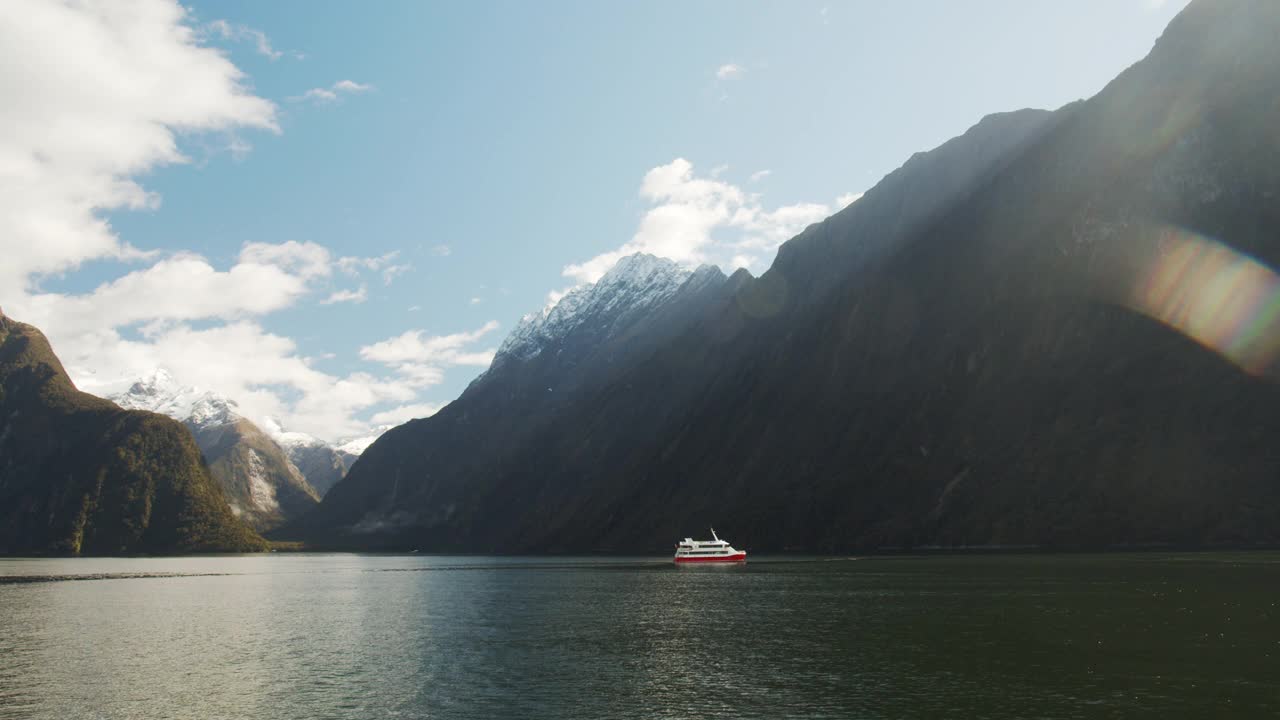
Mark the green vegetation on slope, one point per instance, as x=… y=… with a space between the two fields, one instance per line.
x=80 y=476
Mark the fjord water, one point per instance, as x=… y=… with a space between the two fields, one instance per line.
x=359 y=636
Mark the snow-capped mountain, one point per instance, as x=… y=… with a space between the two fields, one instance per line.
x=351 y=449
x=161 y=393
x=633 y=288
x=263 y=485
x=322 y=464
x=549 y=361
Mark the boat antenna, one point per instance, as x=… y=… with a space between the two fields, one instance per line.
x=714 y=536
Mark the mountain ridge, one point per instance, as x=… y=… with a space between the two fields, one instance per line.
x=999 y=360
x=262 y=484
x=81 y=476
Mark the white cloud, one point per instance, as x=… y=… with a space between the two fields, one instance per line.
x=441 y=250
x=847 y=199
x=263 y=372
x=103 y=93
x=307 y=260
x=180 y=288
x=390 y=272
x=238 y=147
x=350 y=86
x=105 y=90
x=238 y=33
x=759 y=175
x=385 y=265
x=554 y=296
x=352 y=265
x=405 y=413
x=321 y=96
x=417 y=346
x=344 y=296
x=729 y=71
x=421 y=359
x=702 y=220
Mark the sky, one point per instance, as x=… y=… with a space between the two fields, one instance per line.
x=332 y=212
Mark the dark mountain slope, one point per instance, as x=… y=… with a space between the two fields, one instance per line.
x=906 y=201
x=988 y=367
x=427 y=471
x=450 y=461
x=981 y=383
x=78 y=475
x=322 y=465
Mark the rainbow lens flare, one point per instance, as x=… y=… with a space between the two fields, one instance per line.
x=1218 y=296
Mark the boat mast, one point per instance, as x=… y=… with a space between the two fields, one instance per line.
x=714 y=536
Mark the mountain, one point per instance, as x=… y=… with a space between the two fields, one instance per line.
x=622 y=303
x=1057 y=329
x=261 y=483
x=319 y=464
x=81 y=476
x=546 y=364
x=322 y=464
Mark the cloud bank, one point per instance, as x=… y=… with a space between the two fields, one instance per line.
x=109 y=92
x=694 y=220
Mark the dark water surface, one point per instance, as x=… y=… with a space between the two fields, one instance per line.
x=352 y=636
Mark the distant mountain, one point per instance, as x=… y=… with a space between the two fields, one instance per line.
x=262 y=484
x=80 y=476
x=322 y=464
x=1057 y=329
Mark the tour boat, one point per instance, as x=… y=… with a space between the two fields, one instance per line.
x=708 y=551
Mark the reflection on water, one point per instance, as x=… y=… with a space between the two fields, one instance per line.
x=349 y=636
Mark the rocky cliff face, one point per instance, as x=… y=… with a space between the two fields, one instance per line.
x=80 y=476
x=1054 y=330
x=261 y=483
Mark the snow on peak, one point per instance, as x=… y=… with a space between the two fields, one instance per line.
x=210 y=410
x=637 y=282
x=296 y=443
x=160 y=393
x=642 y=268
x=158 y=383
x=289 y=439
x=356 y=446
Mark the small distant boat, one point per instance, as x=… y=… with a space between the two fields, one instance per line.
x=708 y=551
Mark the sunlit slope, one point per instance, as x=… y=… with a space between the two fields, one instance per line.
x=78 y=475
x=263 y=488
x=1072 y=345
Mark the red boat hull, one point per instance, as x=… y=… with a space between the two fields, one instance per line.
x=737 y=558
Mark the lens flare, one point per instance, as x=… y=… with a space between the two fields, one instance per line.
x=1221 y=298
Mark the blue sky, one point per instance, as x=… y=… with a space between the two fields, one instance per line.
x=490 y=145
